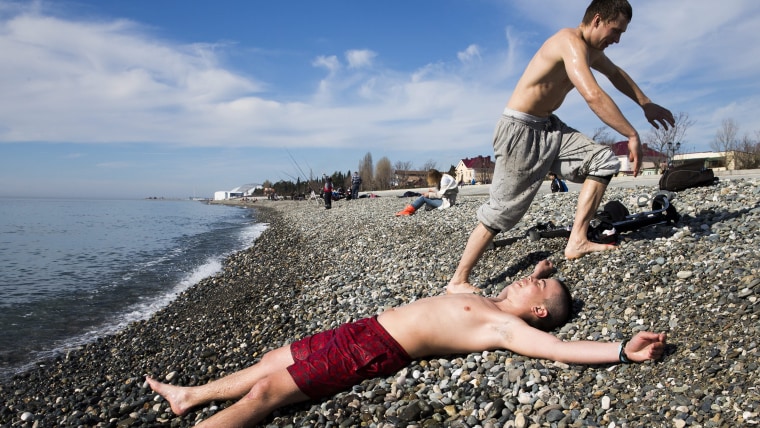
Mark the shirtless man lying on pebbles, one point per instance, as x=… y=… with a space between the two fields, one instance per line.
x=321 y=365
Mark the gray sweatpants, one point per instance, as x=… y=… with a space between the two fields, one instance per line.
x=526 y=148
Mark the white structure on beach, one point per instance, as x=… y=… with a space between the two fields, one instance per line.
x=238 y=192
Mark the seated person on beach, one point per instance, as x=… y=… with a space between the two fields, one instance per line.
x=332 y=361
x=442 y=196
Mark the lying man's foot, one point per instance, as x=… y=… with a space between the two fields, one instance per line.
x=578 y=250
x=462 y=288
x=175 y=395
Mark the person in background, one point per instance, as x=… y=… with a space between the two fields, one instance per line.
x=557 y=184
x=356 y=182
x=442 y=196
x=530 y=140
x=318 y=366
x=328 y=191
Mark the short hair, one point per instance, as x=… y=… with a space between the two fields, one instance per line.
x=434 y=177
x=608 y=10
x=559 y=308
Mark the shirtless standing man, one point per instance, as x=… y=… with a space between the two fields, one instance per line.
x=530 y=140
x=333 y=361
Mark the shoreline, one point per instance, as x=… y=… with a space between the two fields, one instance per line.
x=313 y=269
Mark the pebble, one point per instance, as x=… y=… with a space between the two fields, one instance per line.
x=313 y=269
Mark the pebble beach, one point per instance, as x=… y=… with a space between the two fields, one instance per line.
x=314 y=269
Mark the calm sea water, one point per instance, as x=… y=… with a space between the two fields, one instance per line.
x=74 y=270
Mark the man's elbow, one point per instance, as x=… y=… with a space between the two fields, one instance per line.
x=594 y=98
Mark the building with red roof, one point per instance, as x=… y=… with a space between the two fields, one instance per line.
x=475 y=170
x=652 y=158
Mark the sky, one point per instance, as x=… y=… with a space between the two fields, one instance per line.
x=133 y=99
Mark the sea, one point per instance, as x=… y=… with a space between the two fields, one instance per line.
x=74 y=270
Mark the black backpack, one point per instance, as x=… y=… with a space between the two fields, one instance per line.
x=687 y=175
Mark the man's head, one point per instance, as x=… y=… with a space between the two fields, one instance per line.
x=544 y=303
x=608 y=10
x=605 y=22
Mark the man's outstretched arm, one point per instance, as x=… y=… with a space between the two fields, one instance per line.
x=656 y=115
x=534 y=343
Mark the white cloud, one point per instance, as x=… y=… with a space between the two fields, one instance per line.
x=331 y=63
x=470 y=54
x=360 y=58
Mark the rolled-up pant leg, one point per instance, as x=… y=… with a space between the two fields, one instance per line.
x=523 y=155
x=581 y=158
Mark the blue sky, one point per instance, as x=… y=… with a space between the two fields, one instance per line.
x=173 y=98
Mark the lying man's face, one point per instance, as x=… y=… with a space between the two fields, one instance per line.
x=530 y=290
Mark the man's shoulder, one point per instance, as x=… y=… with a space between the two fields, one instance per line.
x=565 y=35
x=558 y=45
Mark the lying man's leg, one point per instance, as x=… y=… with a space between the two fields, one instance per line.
x=231 y=387
x=273 y=391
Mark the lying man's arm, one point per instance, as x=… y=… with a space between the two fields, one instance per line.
x=531 y=342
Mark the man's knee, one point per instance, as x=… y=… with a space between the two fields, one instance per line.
x=603 y=165
x=261 y=390
x=490 y=229
x=604 y=180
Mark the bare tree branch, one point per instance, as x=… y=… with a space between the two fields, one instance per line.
x=658 y=139
x=726 y=138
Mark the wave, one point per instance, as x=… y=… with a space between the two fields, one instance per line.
x=144 y=304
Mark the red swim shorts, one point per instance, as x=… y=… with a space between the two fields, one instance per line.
x=335 y=360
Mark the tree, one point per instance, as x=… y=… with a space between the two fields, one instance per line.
x=347 y=181
x=283 y=187
x=383 y=174
x=726 y=138
x=747 y=152
x=338 y=179
x=428 y=165
x=602 y=136
x=401 y=168
x=747 y=155
x=668 y=141
x=366 y=171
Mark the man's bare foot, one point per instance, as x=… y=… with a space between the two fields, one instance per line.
x=576 y=251
x=175 y=395
x=462 y=288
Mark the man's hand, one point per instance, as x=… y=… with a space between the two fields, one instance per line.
x=544 y=269
x=635 y=155
x=656 y=113
x=645 y=345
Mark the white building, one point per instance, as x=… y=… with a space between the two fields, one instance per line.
x=238 y=192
